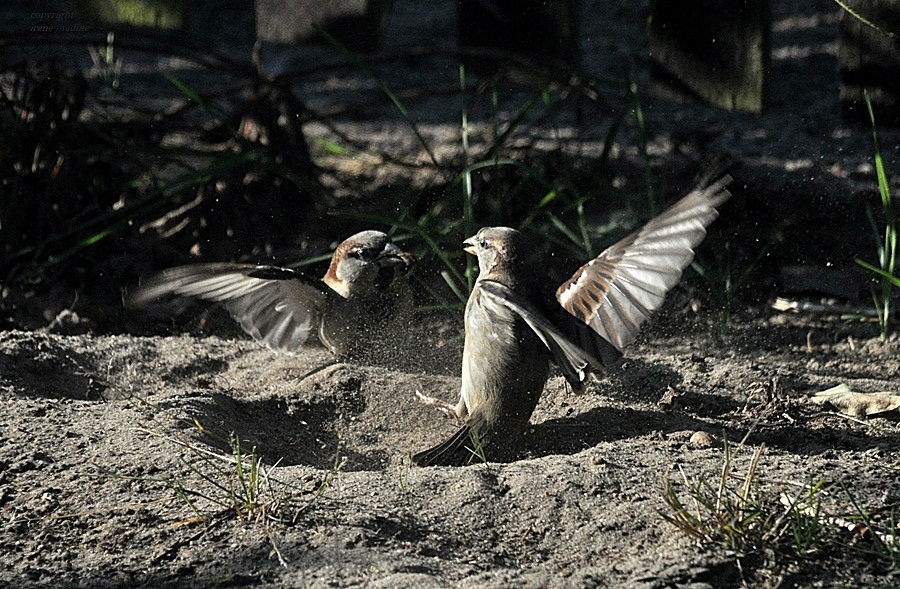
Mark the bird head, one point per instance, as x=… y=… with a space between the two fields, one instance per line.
x=500 y=251
x=366 y=263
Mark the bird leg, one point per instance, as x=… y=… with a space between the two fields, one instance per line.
x=443 y=406
x=320 y=368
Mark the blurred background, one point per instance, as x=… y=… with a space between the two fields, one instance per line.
x=142 y=135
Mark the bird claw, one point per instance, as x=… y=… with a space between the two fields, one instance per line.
x=443 y=406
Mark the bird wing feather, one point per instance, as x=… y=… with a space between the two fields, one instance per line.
x=574 y=362
x=618 y=290
x=278 y=307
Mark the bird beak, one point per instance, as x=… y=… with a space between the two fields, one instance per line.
x=391 y=254
x=471 y=246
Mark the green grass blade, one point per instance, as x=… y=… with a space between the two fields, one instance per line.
x=864 y=20
x=401 y=108
x=895 y=280
x=184 y=89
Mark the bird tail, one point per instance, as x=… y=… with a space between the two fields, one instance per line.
x=462 y=448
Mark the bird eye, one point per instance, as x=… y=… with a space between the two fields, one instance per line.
x=483 y=243
x=362 y=253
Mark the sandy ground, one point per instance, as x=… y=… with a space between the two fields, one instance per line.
x=100 y=434
x=117 y=451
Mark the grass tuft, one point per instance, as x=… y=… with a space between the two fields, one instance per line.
x=737 y=513
x=886 y=271
x=241 y=484
x=729 y=511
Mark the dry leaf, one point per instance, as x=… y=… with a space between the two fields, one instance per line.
x=857 y=404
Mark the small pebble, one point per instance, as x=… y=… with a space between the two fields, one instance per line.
x=701 y=439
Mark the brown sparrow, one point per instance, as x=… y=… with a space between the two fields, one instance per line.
x=284 y=309
x=514 y=330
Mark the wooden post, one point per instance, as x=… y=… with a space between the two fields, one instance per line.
x=716 y=51
x=355 y=23
x=161 y=14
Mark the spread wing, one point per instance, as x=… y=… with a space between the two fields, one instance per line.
x=278 y=307
x=618 y=290
x=573 y=361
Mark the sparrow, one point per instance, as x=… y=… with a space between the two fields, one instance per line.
x=285 y=309
x=514 y=330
